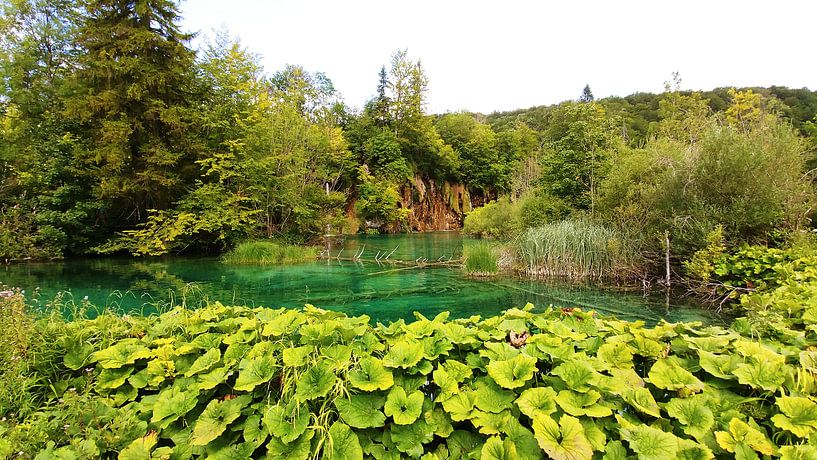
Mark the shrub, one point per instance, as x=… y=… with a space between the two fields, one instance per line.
x=233 y=382
x=574 y=249
x=750 y=182
x=497 y=219
x=480 y=259
x=269 y=253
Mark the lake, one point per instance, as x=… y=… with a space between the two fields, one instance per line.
x=365 y=287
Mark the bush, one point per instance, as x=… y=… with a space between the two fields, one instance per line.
x=750 y=182
x=480 y=259
x=574 y=249
x=497 y=219
x=504 y=219
x=269 y=253
x=233 y=382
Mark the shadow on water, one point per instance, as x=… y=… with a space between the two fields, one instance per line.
x=365 y=287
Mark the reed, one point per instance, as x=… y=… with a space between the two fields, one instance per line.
x=269 y=253
x=481 y=259
x=574 y=249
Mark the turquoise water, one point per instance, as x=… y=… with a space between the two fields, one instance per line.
x=379 y=290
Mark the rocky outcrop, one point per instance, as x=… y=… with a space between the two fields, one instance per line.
x=434 y=205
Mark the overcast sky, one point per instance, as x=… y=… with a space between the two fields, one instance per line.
x=502 y=55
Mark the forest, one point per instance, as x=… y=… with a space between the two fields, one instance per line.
x=118 y=137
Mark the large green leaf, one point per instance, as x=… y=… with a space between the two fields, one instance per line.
x=448 y=385
x=361 y=411
x=316 y=382
x=801 y=452
x=172 y=403
x=721 y=366
x=513 y=373
x=642 y=400
x=254 y=371
x=409 y=439
x=650 y=443
x=140 y=448
x=284 y=323
x=670 y=375
x=460 y=406
x=204 y=362
x=579 y=404
x=372 y=375
x=299 y=449
x=78 y=356
x=343 y=444
x=799 y=415
x=286 y=422
x=497 y=449
x=762 y=375
x=562 y=441
x=697 y=418
x=125 y=352
x=217 y=416
x=294 y=357
x=403 y=408
x=404 y=354
x=577 y=374
x=490 y=397
x=537 y=401
x=616 y=355
x=743 y=434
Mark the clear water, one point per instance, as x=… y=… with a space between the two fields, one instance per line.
x=381 y=290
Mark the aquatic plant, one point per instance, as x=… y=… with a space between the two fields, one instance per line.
x=574 y=249
x=269 y=253
x=481 y=259
x=235 y=382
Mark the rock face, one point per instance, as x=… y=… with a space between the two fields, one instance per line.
x=434 y=205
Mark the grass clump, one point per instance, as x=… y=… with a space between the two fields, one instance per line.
x=574 y=249
x=481 y=259
x=269 y=253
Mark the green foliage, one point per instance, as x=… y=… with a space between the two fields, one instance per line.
x=481 y=259
x=497 y=219
x=647 y=392
x=575 y=249
x=504 y=219
x=268 y=253
x=379 y=200
x=581 y=138
x=721 y=179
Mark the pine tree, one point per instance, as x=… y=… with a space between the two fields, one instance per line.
x=133 y=93
x=587 y=95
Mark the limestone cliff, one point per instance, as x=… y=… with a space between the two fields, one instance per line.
x=434 y=205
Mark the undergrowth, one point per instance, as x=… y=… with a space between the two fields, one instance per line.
x=234 y=382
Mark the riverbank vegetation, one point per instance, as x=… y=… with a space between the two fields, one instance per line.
x=481 y=259
x=269 y=253
x=228 y=382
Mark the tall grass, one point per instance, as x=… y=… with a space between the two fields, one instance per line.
x=481 y=259
x=269 y=253
x=574 y=249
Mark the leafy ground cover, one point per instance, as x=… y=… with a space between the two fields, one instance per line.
x=236 y=382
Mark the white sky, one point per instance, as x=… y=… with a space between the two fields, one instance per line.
x=502 y=55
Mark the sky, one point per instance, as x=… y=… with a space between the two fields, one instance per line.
x=486 y=56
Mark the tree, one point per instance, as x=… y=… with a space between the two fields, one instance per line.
x=580 y=139
x=133 y=95
x=43 y=192
x=587 y=95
